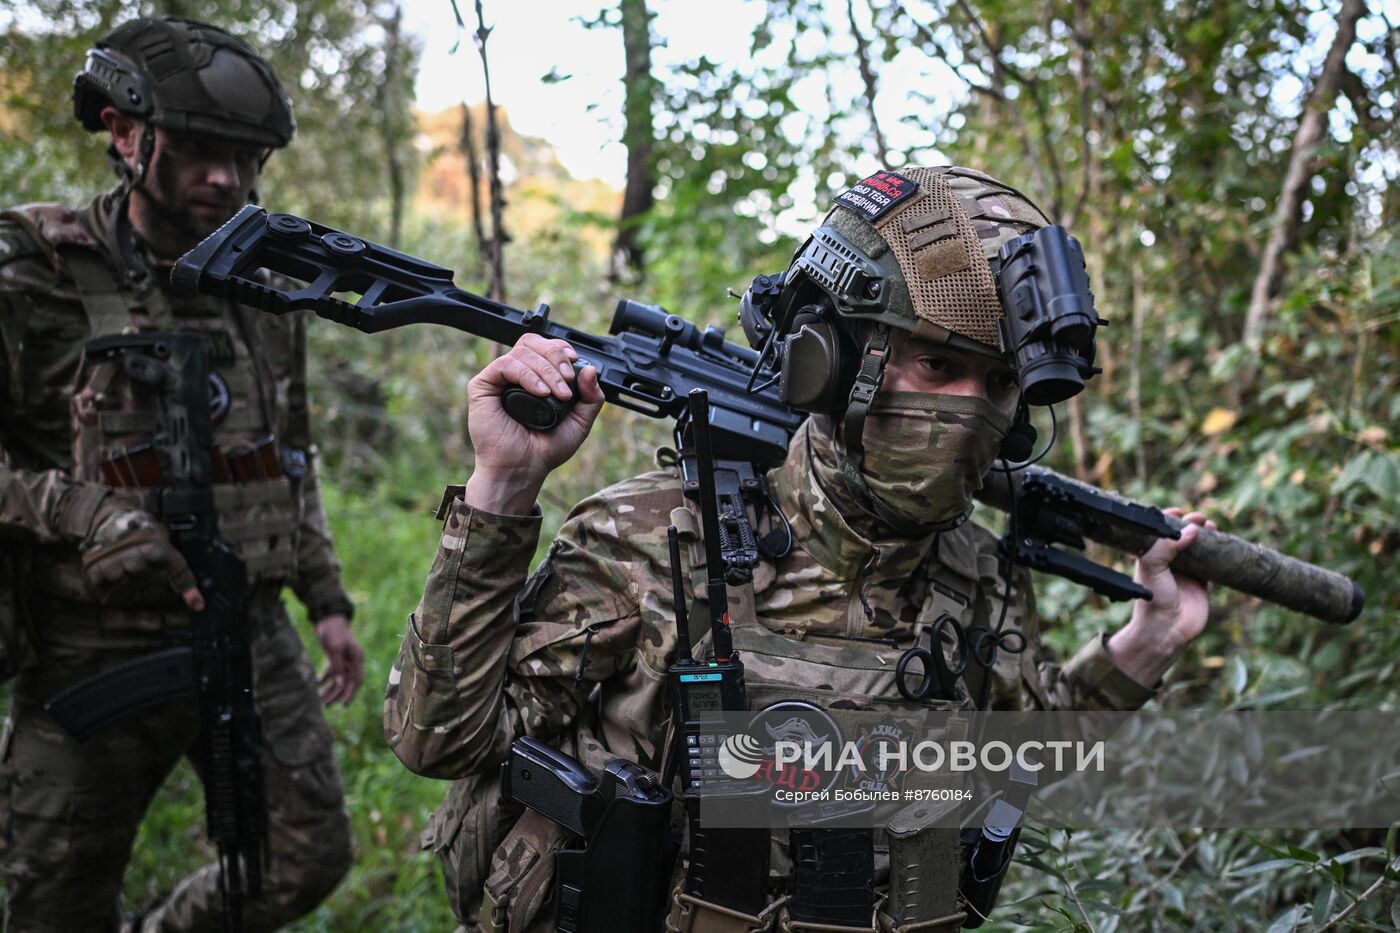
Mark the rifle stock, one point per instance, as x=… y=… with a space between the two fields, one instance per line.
x=649 y=363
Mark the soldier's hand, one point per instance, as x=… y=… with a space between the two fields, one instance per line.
x=512 y=461
x=1160 y=629
x=345 y=660
x=129 y=552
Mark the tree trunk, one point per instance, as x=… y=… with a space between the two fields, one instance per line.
x=495 y=280
x=392 y=110
x=628 y=255
x=467 y=145
x=1312 y=128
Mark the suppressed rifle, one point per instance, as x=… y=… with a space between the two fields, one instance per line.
x=217 y=663
x=1052 y=509
x=654 y=359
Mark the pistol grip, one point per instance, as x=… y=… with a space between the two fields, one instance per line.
x=534 y=412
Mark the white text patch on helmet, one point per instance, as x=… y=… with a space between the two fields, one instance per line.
x=876 y=196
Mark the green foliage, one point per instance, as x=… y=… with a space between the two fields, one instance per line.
x=1158 y=132
x=330 y=57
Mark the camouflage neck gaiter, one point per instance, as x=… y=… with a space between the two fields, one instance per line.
x=926 y=454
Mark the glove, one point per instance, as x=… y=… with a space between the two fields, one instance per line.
x=129 y=553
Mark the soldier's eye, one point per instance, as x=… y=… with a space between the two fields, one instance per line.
x=936 y=364
x=1004 y=379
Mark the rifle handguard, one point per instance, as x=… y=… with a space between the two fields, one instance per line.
x=1214 y=556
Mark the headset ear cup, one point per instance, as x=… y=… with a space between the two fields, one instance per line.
x=812 y=366
x=1016 y=447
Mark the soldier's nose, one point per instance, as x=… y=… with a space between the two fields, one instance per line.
x=223 y=174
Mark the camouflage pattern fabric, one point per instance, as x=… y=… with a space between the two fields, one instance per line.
x=943 y=241
x=926 y=453
x=69 y=812
x=577 y=654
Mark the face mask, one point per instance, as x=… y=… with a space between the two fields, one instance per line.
x=926 y=454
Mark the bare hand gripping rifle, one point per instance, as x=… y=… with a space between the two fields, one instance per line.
x=652 y=361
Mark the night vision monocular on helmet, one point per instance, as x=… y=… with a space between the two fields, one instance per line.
x=1049 y=320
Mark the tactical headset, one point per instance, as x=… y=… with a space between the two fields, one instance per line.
x=801 y=322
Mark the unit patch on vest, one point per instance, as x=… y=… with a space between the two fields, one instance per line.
x=220 y=398
x=881 y=768
x=798 y=723
x=876 y=196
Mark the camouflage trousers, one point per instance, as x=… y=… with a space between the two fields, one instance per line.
x=69 y=811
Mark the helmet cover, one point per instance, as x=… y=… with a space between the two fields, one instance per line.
x=934 y=234
x=186 y=77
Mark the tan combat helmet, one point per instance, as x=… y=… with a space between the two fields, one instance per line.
x=935 y=234
x=918 y=249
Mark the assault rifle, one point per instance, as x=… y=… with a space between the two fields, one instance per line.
x=652 y=361
x=217 y=663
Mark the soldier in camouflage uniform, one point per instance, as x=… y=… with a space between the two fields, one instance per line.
x=577 y=655
x=193 y=113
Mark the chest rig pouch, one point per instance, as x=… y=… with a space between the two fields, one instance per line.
x=915 y=863
x=114 y=419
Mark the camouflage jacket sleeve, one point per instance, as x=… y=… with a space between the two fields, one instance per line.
x=1089 y=681
x=43 y=502
x=489 y=657
x=317 y=583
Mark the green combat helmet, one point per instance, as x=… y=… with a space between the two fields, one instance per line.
x=922 y=250
x=187 y=77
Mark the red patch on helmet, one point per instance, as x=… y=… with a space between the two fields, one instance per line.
x=877 y=195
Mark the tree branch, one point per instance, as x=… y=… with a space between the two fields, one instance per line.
x=1312 y=128
x=495 y=288
x=467 y=144
x=1003 y=70
x=1083 y=71
x=867 y=76
x=391 y=111
x=1337 y=920
x=639 y=92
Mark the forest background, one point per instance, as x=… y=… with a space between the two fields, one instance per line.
x=1229 y=166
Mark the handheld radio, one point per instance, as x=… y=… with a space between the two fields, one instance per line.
x=704 y=690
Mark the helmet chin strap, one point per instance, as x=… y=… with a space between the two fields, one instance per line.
x=128 y=180
x=850 y=449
